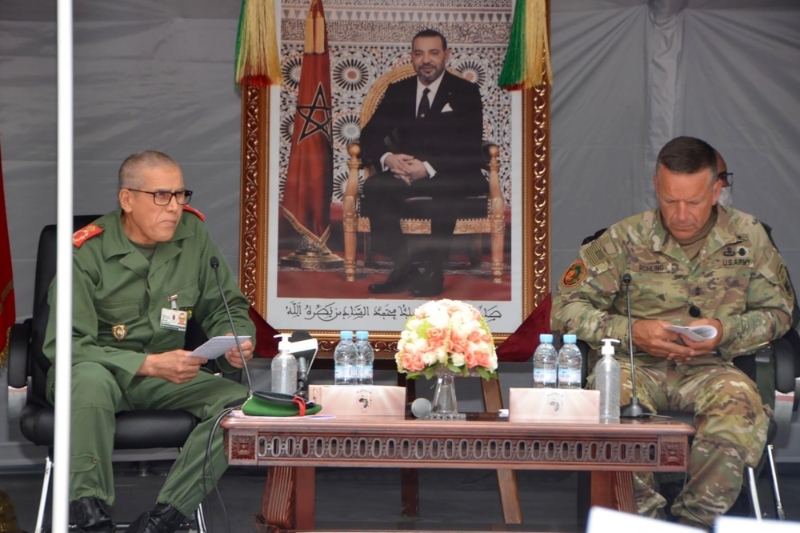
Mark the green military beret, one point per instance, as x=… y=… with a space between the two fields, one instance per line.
x=269 y=404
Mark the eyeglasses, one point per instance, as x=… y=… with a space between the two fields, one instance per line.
x=163 y=198
x=727 y=176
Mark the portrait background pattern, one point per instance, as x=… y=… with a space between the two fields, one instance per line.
x=368 y=38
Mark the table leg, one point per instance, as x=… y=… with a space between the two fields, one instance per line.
x=409 y=477
x=304 y=497
x=278 y=502
x=409 y=487
x=613 y=490
x=506 y=479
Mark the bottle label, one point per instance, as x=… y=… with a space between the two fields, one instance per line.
x=341 y=372
x=365 y=372
x=570 y=376
x=543 y=375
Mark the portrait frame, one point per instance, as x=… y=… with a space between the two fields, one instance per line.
x=258 y=216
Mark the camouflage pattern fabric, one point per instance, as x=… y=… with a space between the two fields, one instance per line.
x=738 y=278
x=731 y=432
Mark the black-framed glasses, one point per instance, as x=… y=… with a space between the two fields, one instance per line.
x=726 y=176
x=163 y=198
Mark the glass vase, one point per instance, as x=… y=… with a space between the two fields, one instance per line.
x=444 y=399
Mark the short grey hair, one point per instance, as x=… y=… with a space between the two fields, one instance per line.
x=130 y=176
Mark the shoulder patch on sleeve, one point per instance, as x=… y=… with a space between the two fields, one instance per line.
x=574 y=274
x=195 y=212
x=785 y=283
x=85 y=233
x=599 y=251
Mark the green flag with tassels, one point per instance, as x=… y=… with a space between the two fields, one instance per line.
x=527 y=61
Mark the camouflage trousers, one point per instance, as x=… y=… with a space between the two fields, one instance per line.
x=731 y=433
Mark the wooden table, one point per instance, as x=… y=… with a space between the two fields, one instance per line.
x=294 y=447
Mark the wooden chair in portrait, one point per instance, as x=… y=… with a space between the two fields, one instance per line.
x=478 y=215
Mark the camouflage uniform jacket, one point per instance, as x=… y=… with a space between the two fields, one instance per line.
x=738 y=278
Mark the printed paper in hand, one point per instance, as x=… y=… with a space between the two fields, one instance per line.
x=217 y=346
x=697 y=333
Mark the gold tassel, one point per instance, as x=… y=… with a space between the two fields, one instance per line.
x=536 y=22
x=319 y=33
x=257 y=55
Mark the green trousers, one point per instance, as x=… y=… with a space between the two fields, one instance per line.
x=731 y=433
x=96 y=398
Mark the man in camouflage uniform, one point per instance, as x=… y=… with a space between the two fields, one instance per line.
x=692 y=263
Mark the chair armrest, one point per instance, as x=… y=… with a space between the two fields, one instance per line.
x=19 y=343
x=486 y=150
x=785 y=370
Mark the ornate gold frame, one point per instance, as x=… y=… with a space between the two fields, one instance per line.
x=253 y=264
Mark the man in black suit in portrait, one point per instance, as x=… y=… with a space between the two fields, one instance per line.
x=424 y=140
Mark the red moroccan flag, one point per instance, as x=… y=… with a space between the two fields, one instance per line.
x=7 y=309
x=309 y=178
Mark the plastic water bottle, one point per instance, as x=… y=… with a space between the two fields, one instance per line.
x=364 y=358
x=284 y=368
x=344 y=359
x=545 y=361
x=569 y=364
x=606 y=375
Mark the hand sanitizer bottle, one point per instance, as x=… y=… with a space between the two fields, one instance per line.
x=606 y=374
x=284 y=368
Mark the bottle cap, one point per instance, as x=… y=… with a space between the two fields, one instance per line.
x=362 y=335
x=283 y=345
x=346 y=335
x=546 y=337
x=608 y=346
x=570 y=339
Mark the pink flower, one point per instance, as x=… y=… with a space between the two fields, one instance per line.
x=413 y=362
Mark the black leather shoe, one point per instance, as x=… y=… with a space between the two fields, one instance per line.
x=164 y=518
x=429 y=284
x=91 y=515
x=397 y=281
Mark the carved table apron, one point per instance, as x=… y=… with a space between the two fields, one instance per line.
x=295 y=446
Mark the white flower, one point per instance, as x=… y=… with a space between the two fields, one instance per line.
x=457 y=359
x=429 y=357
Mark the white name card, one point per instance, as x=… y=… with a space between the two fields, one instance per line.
x=552 y=405
x=359 y=400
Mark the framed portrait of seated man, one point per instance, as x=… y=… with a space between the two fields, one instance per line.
x=389 y=169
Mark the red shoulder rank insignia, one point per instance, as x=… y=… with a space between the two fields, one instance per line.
x=195 y=212
x=574 y=274
x=85 y=233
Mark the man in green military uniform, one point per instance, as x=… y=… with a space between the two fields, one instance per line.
x=136 y=271
x=692 y=263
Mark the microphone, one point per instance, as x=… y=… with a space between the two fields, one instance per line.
x=421 y=407
x=694 y=311
x=304 y=347
x=215 y=266
x=633 y=409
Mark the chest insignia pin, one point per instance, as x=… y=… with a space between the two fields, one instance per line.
x=120 y=331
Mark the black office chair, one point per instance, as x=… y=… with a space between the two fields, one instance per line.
x=28 y=366
x=774 y=369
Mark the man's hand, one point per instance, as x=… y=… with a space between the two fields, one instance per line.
x=175 y=366
x=416 y=170
x=707 y=346
x=233 y=356
x=397 y=165
x=650 y=336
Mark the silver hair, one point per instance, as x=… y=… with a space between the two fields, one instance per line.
x=130 y=176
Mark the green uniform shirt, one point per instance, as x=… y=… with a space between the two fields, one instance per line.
x=738 y=278
x=114 y=285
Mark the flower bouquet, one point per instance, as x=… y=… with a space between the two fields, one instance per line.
x=446 y=334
